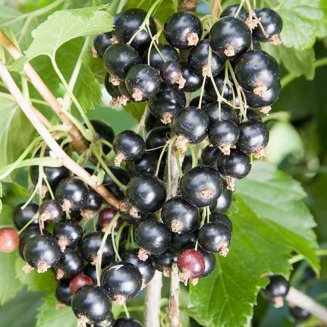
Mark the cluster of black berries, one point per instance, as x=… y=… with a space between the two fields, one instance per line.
x=203 y=144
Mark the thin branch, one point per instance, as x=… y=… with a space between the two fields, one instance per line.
x=187 y=5
x=173 y=307
x=57 y=151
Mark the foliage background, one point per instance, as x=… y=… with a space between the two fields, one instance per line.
x=270 y=218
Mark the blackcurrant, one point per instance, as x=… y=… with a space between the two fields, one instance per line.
x=128 y=145
x=157 y=59
x=72 y=193
x=183 y=30
x=91 y=305
x=171 y=72
x=257 y=71
x=113 y=90
x=298 y=313
x=93 y=203
x=252 y=115
x=179 y=215
x=122 y=281
x=146 y=193
x=9 y=240
x=90 y=271
x=127 y=322
x=157 y=138
x=42 y=252
x=78 y=282
x=69 y=265
x=205 y=100
x=225 y=112
x=235 y=11
x=215 y=237
x=153 y=237
x=68 y=234
x=201 y=186
x=191 y=125
x=24 y=214
x=167 y=103
x=53 y=174
x=102 y=42
x=191 y=265
x=103 y=130
x=147 y=164
x=209 y=263
x=105 y=217
x=50 y=210
x=193 y=81
x=199 y=60
x=28 y=233
x=109 y=184
x=223 y=202
x=216 y=217
x=225 y=89
x=118 y=59
x=151 y=121
x=210 y=156
x=182 y=241
x=142 y=82
x=277 y=289
x=63 y=293
x=164 y=261
x=187 y=163
x=229 y=37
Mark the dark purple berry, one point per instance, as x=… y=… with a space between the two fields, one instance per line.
x=171 y=72
x=210 y=156
x=53 y=175
x=78 y=282
x=103 y=130
x=22 y=216
x=167 y=53
x=68 y=234
x=216 y=217
x=69 y=265
x=209 y=263
x=277 y=289
x=224 y=113
x=223 y=202
x=63 y=293
x=235 y=11
x=127 y=322
x=50 y=210
x=147 y=164
x=102 y=42
x=191 y=265
x=193 y=81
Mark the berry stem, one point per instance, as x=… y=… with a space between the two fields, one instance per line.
x=173 y=306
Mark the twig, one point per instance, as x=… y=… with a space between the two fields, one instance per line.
x=173 y=307
x=57 y=151
x=187 y=5
x=299 y=299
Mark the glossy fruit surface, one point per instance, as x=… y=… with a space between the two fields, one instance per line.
x=167 y=53
x=93 y=203
x=103 y=130
x=224 y=113
x=235 y=11
x=210 y=156
x=151 y=121
x=53 y=174
x=22 y=216
x=224 y=133
x=69 y=265
x=216 y=217
x=225 y=88
x=63 y=293
x=113 y=90
x=201 y=186
x=28 y=233
x=236 y=165
x=193 y=81
x=68 y=234
x=127 y=322
x=157 y=137
x=105 y=217
x=121 y=175
x=223 y=202
x=9 y=240
x=164 y=261
x=102 y=42
x=278 y=287
x=171 y=73
x=209 y=263
x=183 y=30
x=191 y=264
x=78 y=282
x=50 y=210
x=147 y=164
x=182 y=241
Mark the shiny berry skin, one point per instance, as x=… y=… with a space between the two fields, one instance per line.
x=153 y=236
x=90 y=271
x=53 y=174
x=119 y=58
x=164 y=261
x=199 y=60
x=22 y=216
x=68 y=234
x=146 y=193
x=216 y=217
x=93 y=202
x=122 y=281
x=157 y=137
x=215 y=237
x=127 y=25
x=147 y=164
x=109 y=184
x=182 y=241
x=113 y=90
x=78 y=282
x=69 y=265
x=201 y=186
x=298 y=313
x=226 y=113
x=9 y=240
x=167 y=53
x=103 y=130
x=278 y=287
x=210 y=156
x=166 y=104
x=252 y=115
x=224 y=134
x=236 y=165
x=179 y=215
x=223 y=202
x=90 y=246
x=105 y=217
x=183 y=30
x=257 y=71
x=254 y=137
x=219 y=82
x=50 y=210
x=271 y=22
x=91 y=304
x=72 y=193
x=191 y=264
x=63 y=293
x=196 y=101
x=229 y=37
x=232 y=10
x=171 y=72
x=127 y=322
x=102 y=42
x=193 y=81
x=265 y=100
x=27 y=234
x=128 y=145
x=151 y=121
x=191 y=124
x=145 y=268
x=42 y=252
x=209 y=263
x=142 y=82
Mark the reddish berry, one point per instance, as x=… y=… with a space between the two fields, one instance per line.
x=79 y=281
x=9 y=240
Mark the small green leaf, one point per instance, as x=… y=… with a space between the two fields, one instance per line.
x=6 y=216
x=9 y=284
x=51 y=316
x=135 y=109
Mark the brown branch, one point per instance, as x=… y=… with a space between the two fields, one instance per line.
x=187 y=5
x=78 y=142
x=57 y=151
x=215 y=7
x=173 y=307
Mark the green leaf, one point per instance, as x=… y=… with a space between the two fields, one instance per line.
x=51 y=316
x=135 y=109
x=6 y=216
x=9 y=284
x=302 y=22
x=35 y=282
x=269 y=223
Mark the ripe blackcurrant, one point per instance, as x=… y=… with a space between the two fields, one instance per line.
x=235 y=11
x=229 y=37
x=298 y=313
x=128 y=146
x=50 y=210
x=72 y=194
x=171 y=72
x=191 y=265
x=196 y=101
x=127 y=322
x=142 y=82
x=157 y=138
x=181 y=242
x=69 y=265
x=90 y=271
x=9 y=240
x=113 y=90
x=22 y=216
x=147 y=164
x=252 y=115
x=28 y=233
x=63 y=293
x=102 y=42
x=53 y=174
x=78 y=282
x=191 y=125
x=253 y=138
x=164 y=261
x=167 y=103
x=91 y=305
x=257 y=71
x=122 y=281
x=224 y=88
x=68 y=234
x=118 y=59
x=151 y=121
x=93 y=203
x=209 y=263
x=210 y=156
x=146 y=193
x=153 y=237
x=224 y=134
x=183 y=30
x=105 y=217
x=179 y=215
x=225 y=112
x=157 y=59
x=201 y=186
x=215 y=237
x=103 y=130
x=42 y=252
x=277 y=289
x=216 y=217
x=90 y=246
x=223 y=202
x=199 y=60
x=109 y=184
x=193 y=81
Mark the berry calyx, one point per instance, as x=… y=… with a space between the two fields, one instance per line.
x=68 y=234
x=171 y=72
x=50 y=210
x=69 y=265
x=9 y=240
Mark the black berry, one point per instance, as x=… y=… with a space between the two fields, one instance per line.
x=68 y=234
x=22 y=216
x=157 y=59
